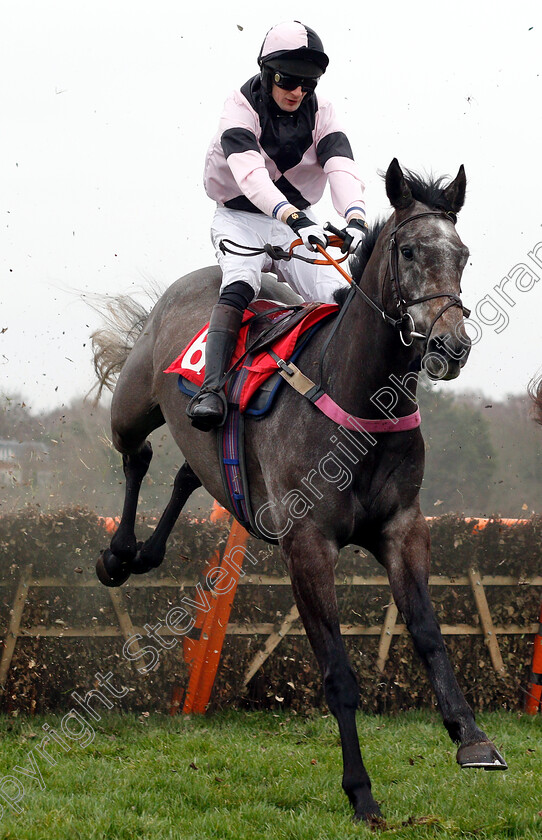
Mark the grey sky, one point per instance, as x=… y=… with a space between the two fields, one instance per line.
x=107 y=109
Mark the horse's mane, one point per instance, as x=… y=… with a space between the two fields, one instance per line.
x=363 y=254
x=429 y=191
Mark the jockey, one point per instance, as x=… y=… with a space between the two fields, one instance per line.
x=277 y=146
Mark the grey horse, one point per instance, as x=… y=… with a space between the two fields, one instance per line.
x=404 y=313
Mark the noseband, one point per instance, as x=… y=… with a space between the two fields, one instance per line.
x=405 y=323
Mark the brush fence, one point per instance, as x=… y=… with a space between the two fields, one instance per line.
x=485 y=584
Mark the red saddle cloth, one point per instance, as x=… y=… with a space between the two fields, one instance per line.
x=191 y=362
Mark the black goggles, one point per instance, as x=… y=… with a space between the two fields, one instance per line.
x=282 y=80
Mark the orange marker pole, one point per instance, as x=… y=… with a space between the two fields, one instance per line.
x=194 y=648
x=218 y=513
x=198 y=660
x=224 y=602
x=534 y=695
x=110 y=523
x=205 y=652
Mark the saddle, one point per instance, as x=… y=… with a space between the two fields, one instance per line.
x=269 y=334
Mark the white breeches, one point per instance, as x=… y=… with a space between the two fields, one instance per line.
x=311 y=282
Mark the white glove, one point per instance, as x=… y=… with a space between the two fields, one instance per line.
x=356 y=231
x=311 y=233
x=313 y=236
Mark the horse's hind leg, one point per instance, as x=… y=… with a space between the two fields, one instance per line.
x=113 y=567
x=151 y=553
x=133 y=417
x=405 y=554
x=311 y=560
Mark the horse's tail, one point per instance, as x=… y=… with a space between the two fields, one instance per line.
x=535 y=393
x=111 y=344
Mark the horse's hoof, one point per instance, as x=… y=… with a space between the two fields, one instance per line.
x=369 y=812
x=373 y=818
x=375 y=822
x=110 y=570
x=483 y=755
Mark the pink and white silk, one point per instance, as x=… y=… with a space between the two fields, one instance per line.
x=253 y=172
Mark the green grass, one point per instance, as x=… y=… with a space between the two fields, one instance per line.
x=251 y=775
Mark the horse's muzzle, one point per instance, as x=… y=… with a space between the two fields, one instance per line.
x=445 y=356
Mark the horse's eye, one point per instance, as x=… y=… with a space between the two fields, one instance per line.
x=407 y=253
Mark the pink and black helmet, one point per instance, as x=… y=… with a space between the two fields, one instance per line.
x=293 y=49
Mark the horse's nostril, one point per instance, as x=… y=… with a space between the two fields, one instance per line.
x=450 y=346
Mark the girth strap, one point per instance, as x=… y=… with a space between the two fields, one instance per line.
x=307 y=388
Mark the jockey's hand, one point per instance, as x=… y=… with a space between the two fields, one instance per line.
x=354 y=234
x=311 y=233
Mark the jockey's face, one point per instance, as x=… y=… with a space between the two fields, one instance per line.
x=288 y=100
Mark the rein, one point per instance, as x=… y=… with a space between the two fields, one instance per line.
x=276 y=253
x=404 y=323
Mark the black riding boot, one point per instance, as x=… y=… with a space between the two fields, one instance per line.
x=207 y=409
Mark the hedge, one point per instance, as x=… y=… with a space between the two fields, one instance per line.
x=45 y=671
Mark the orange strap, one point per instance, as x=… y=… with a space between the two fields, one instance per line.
x=334 y=242
x=331 y=261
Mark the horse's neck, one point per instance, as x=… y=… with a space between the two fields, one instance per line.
x=367 y=366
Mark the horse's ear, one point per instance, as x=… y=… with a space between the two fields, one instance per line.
x=455 y=191
x=397 y=188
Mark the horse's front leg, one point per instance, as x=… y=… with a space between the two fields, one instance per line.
x=311 y=561
x=151 y=553
x=405 y=554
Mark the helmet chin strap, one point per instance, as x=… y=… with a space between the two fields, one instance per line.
x=266 y=75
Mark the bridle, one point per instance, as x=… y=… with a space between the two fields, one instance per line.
x=405 y=323
x=406 y=320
